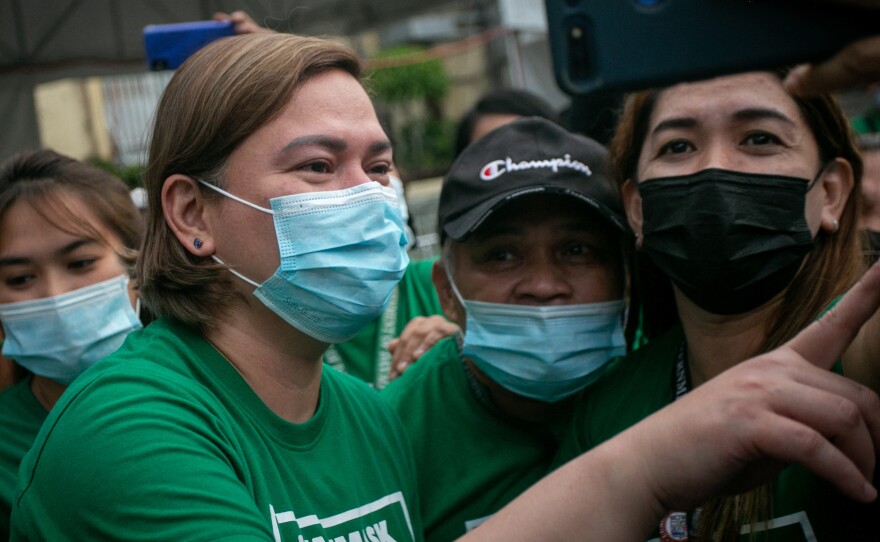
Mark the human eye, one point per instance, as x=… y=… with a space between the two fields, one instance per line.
x=582 y=252
x=677 y=146
x=494 y=255
x=316 y=166
x=18 y=280
x=379 y=172
x=756 y=139
x=379 y=169
x=499 y=256
x=81 y=264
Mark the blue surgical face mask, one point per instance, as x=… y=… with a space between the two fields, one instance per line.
x=546 y=353
x=59 y=337
x=397 y=185
x=342 y=254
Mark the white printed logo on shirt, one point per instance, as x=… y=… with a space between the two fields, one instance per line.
x=384 y=520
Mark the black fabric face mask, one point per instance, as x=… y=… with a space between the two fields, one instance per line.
x=730 y=241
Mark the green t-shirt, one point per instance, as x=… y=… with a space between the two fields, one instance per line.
x=366 y=356
x=21 y=416
x=164 y=440
x=804 y=508
x=471 y=461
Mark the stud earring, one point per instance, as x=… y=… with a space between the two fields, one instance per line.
x=197 y=243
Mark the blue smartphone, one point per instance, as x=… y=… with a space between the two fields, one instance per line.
x=624 y=45
x=169 y=45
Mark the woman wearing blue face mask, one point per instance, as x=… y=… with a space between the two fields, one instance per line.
x=272 y=233
x=745 y=204
x=68 y=235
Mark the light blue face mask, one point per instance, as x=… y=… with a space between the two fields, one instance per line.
x=546 y=353
x=342 y=254
x=59 y=337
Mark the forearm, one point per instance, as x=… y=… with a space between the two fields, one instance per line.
x=601 y=495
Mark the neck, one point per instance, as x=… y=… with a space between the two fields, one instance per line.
x=47 y=391
x=715 y=342
x=517 y=407
x=281 y=364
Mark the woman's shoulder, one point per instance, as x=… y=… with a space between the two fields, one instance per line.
x=634 y=387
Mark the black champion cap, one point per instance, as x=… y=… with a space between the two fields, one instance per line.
x=527 y=156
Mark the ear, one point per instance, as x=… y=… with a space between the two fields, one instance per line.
x=837 y=183
x=632 y=204
x=452 y=309
x=186 y=214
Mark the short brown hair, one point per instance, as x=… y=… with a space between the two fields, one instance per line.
x=217 y=98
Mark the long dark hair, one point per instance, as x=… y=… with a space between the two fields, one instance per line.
x=834 y=265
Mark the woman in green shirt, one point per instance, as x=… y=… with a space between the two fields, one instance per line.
x=744 y=200
x=68 y=238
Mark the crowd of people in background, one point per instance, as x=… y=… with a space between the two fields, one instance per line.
x=672 y=337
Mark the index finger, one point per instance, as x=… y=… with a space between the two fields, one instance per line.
x=824 y=341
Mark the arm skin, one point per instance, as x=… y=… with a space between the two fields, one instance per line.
x=728 y=435
x=241 y=22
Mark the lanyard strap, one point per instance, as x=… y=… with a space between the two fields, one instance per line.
x=682 y=381
x=676 y=526
x=387 y=332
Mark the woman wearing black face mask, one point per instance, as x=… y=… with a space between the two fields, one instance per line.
x=744 y=202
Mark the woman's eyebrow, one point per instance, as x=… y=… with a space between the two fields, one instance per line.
x=70 y=247
x=759 y=113
x=673 y=124
x=331 y=143
x=63 y=251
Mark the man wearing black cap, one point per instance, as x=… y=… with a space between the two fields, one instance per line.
x=532 y=271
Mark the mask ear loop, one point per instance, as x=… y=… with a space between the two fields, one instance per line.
x=236 y=198
x=454 y=287
x=818 y=175
x=234 y=272
x=249 y=204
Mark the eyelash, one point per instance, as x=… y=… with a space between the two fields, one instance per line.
x=667 y=148
x=325 y=166
x=81 y=264
x=18 y=281
x=772 y=139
